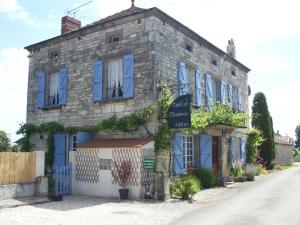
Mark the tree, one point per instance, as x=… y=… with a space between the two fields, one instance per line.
x=254 y=140
x=297 y=142
x=262 y=120
x=4 y=141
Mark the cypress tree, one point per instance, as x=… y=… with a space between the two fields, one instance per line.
x=262 y=120
x=297 y=142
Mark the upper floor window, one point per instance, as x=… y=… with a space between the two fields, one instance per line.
x=53 y=89
x=113 y=39
x=115 y=78
x=54 y=57
x=189 y=82
x=189 y=48
x=214 y=62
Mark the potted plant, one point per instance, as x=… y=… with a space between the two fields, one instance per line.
x=121 y=175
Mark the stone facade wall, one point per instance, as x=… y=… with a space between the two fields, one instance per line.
x=170 y=49
x=283 y=154
x=78 y=55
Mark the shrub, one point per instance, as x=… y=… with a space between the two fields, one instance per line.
x=295 y=152
x=206 y=178
x=261 y=170
x=250 y=171
x=279 y=167
x=238 y=169
x=254 y=140
x=185 y=187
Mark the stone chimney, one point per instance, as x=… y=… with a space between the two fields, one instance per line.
x=69 y=24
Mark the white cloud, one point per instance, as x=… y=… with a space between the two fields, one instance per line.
x=13 y=89
x=267 y=64
x=14 y=10
x=284 y=108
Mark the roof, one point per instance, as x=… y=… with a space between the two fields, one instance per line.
x=117 y=143
x=278 y=139
x=104 y=23
x=128 y=12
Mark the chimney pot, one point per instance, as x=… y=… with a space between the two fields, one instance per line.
x=69 y=24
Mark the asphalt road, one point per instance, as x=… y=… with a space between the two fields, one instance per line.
x=274 y=200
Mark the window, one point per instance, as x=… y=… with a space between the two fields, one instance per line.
x=214 y=62
x=53 y=89
x=105 y=164
x=188 y=152
x=188 y=47
x=115 y=78
x=114 y=39
x=190 y=76
x=54 y=57
x=233 y=72
x=74 y=142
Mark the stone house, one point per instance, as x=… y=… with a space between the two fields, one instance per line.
x=116 y=66
x=283 y=149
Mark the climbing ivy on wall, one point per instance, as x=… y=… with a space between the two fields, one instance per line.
x=127 y=123
x=201 y=119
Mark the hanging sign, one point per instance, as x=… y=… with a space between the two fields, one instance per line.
x=179 y=112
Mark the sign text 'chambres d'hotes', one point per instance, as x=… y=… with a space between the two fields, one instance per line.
x=179 y=113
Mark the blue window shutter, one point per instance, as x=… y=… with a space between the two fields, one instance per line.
x=239 y=98
x=63 y=86
x=208 y=91
x=129 y=76
x=182 y=79
x=198 y=87
x=59 y=150
x=178 y=154
x=206 y=151
x=232 y=151
x=97 y=80
x=223 y=96
x=243 y=150
x=41 y=90
x=229 y=91
x=83 y=137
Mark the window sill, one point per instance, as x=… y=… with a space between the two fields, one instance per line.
x=50 y=107
x=113 y=100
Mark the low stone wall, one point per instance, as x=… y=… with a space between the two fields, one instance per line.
x=283 y=154
x=17 y=190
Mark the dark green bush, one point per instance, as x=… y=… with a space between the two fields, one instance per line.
x=206 y=178
x=185 y=187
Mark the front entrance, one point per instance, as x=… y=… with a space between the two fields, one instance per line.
x=215 y=155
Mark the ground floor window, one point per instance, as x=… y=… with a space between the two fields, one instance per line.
x=188 y=152
x=74 y=142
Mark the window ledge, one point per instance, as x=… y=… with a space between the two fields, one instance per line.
x=49 y=107
x=113 y=99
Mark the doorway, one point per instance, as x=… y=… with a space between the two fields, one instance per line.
x=215 y=155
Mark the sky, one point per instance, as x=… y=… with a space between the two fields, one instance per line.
x=266 y=35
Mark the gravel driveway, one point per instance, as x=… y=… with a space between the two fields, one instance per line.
x=85 y=210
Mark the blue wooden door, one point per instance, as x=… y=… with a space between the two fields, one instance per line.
x=59 y=150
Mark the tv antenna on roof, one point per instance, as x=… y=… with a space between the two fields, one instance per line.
x=75 y=10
